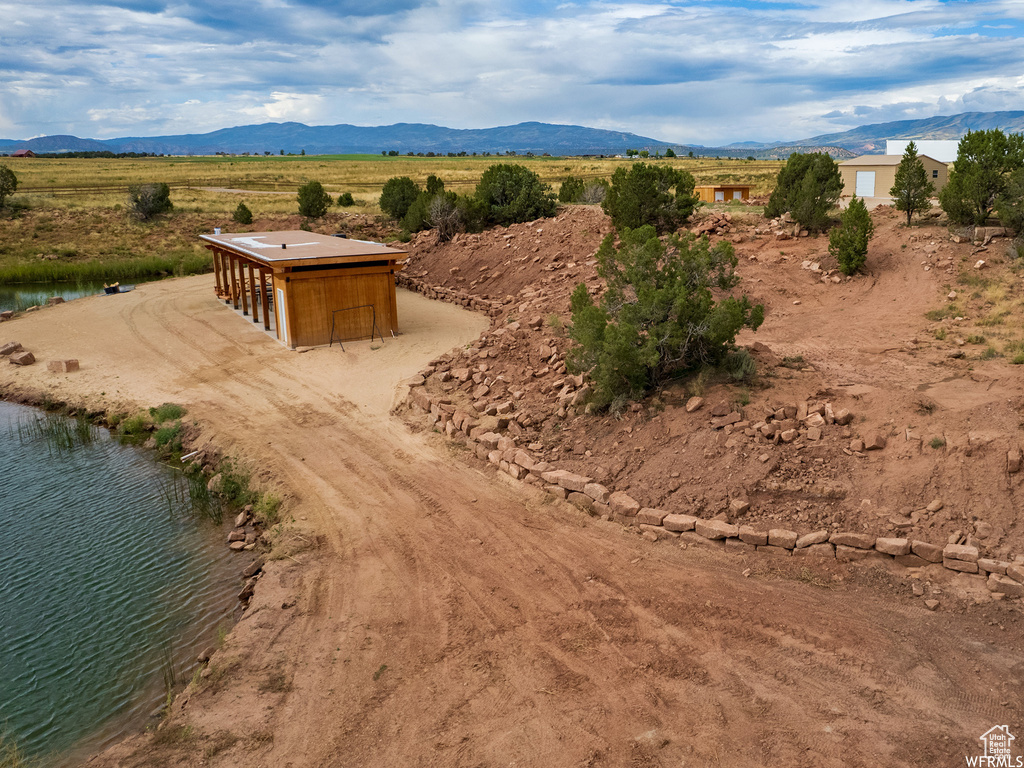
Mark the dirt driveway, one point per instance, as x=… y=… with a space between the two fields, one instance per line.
x=441 y=616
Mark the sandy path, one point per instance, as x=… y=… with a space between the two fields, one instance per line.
x=448 y=618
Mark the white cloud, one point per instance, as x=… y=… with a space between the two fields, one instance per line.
x=701 y=72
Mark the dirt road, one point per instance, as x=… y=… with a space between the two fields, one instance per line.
x=441 y=616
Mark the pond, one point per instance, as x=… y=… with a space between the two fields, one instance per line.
x=110 y=585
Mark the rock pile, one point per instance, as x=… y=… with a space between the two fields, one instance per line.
x=16 y=354
x=785 y=227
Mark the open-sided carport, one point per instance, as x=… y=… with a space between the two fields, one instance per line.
x=318 y=288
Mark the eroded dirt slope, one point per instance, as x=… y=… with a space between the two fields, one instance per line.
x=950 y=413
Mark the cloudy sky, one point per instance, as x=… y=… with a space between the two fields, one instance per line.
x=685 y=71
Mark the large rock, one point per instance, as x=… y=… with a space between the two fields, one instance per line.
x=525 y=460
x=959 y=565
x=781 y=537
x=10 y=347
x=930 y=552
x=874 y=442
x=752 y=536
x=597 y=492
x=568 y=480
x=894 y=547
x=62 y=366
x=648 y=516
x=679 y=523
x=1004 y=585
x=715 y=529
x=824 y=549
x=694 y=403
x=857 y=540
x=960 y=552
x=623 y=504
x=22 y=358
x=810 y=539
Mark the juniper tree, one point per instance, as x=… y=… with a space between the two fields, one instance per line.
x=984 y=159
x=848 y=243
x=8 y=183
x=808 y=186
x=314 y=200
x=658 y=314
x=912 y=189
x=654 y=195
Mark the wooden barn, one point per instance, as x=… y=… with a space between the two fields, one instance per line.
x=309 y=289
x=722 y=193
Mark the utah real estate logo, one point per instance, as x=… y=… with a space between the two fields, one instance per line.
x=998 y=742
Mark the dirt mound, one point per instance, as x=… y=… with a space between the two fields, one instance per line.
x=948 y=419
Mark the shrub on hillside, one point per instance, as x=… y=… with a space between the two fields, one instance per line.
x=397 y=196
x=658 y=314
x=148 y=200
x=8 y=183
x=808 y=186
x=513 y=194
x=345 y=200
x=984 y=161
x=571 y=190
x=314 y=200
x=242 y=214
x=848 y=243
x=654 y=195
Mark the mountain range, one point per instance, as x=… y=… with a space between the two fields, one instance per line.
x=531 y=137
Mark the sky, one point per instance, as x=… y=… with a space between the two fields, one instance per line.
x=681 y=71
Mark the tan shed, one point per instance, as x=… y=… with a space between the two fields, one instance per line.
x=874 y=175
x=318 y=289
x=722 y=193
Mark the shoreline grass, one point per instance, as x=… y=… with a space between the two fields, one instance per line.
x=177 y=264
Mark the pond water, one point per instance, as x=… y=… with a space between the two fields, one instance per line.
x=21 y=296
x=107 y=585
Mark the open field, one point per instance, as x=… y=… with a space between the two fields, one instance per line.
x=102 y=182
x=68 y=220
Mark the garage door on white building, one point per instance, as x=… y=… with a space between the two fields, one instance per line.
x=865 y=183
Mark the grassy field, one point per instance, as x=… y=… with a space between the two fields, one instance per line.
x=67 y=218
x=102 y=182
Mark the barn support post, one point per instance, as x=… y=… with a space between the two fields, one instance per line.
x=252 y=291
x=234 y=282
x=263 y=298
x=216 y=273
x=241 y=286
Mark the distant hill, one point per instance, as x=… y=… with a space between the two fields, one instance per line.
x=870 y=139
x=536 y=138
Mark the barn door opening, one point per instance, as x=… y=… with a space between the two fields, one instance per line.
x=865 y=183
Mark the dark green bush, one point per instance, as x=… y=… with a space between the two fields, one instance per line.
x=984 y=160
x=397 y=196
x=148 y=200
x=658 y=314
x=514 y=194
x=345 y=200
x=848 y=243
x=8 y=183
x=571 y=190
x=242 y=214
x=313 y=200
x=808 y=187
x=654 y=195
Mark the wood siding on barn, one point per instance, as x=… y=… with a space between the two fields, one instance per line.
x=313 y=297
